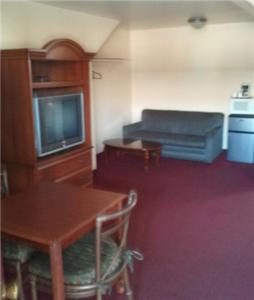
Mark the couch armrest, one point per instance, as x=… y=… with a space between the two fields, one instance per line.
x=214 y=143
x=127 y=129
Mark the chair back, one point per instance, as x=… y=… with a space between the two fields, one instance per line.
x=4 y=182
x=113 y=227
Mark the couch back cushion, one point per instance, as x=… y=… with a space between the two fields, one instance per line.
x=185 y=122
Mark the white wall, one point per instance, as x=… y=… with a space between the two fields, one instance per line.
x=112 y=93
x=29 y=24
x=187 y=69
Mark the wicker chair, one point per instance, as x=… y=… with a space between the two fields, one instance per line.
x=95 y=262
x=15 y=255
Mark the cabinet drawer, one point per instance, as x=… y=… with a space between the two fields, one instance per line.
x=66 y=166
x=80 y=177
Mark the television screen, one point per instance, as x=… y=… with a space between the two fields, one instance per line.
x=59 y=122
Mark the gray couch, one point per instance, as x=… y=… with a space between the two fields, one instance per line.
x=183 y=134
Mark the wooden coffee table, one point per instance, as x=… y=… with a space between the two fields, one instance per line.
x=147 y=149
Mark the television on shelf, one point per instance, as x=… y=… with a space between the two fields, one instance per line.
x=59 y=122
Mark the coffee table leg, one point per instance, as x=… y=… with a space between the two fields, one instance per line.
x=158 y=156
x=146 y=159
x=56 y=263
x=106 y=152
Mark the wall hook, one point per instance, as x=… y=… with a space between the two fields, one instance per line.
x=97 y=75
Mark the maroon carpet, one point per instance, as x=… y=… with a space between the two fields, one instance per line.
x=194 y=223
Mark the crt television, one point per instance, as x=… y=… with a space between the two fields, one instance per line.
x=59 y=122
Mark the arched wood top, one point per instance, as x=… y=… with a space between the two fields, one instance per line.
x=65 y=49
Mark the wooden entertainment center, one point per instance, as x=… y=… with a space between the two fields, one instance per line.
x=60 y=66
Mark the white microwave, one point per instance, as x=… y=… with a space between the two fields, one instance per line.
x=242 y=106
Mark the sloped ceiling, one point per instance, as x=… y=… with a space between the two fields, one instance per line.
x=29 y=24
x=158 y=14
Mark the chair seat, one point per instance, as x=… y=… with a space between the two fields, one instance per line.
x=78 y=261
x=16 y=251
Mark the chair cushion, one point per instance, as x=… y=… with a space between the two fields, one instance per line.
x=16 y=251
x=78 y=261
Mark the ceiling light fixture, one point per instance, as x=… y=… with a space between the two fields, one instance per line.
x=197 y=22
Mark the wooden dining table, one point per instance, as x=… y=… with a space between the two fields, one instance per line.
x=52 y=216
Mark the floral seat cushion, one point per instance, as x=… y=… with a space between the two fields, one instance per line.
x=16 y=251
x=78 y=261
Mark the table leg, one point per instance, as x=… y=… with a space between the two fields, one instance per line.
x=119 y=233
x=56 y=263
x=106 y=152
x=146 y=159
x=120 y=286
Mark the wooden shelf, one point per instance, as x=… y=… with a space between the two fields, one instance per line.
x=108 y=60
x=55 y=84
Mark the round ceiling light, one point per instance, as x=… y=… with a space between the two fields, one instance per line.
x=197 y=22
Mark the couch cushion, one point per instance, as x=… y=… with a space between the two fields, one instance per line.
x=182 y=122
x=170 y=138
